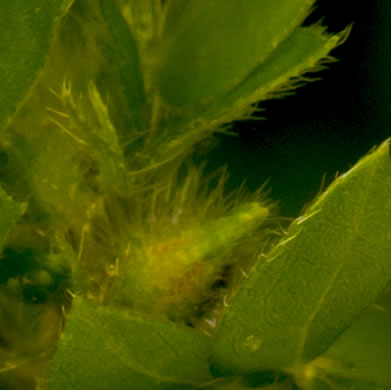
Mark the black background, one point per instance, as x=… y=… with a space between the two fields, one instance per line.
x=327 y=125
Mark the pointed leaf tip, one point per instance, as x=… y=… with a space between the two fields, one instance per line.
x=332 y=264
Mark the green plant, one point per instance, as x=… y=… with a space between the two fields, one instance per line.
x=123 y=265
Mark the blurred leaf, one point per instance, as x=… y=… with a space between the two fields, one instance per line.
x=357 y=385
x=208 y=47
x=243 y=383
x=363 y=352
x=26 y=31
x=10 y=211
x=104 y=348
x=330 y=383
x=143 y=17
x=333 y=263
x=124 y=52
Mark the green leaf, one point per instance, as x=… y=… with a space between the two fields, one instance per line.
x=10 y=211
x=305 y=50
x=143 y=18
x=334 y=383
x=208 y=47
x=302 y=52
x=247 y=383
x=329 y=383
x=363 y=352
x=360 y=359
x=357 y=385
x=104 y=348
x=27 y=28
x=333 y=263
x=123 y=52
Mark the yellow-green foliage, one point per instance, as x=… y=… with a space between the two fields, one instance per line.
x=103 y=202
x=157 y=238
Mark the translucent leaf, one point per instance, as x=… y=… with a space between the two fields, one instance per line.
x=210 y=46
x=26 y=31
x=333 y=263
x=104 y=348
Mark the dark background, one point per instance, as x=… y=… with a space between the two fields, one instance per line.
x=327 y=125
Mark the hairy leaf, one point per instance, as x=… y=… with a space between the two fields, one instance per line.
x=333 y=263
x=286 y=68
x=210 y=46
x=302 y=52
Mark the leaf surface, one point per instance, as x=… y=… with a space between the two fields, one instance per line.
x=27 y=28
x=363 y=352
x=210 y=46
x=10 y=211
x=104 y=348
x=305 y=50
x=124 y=52
x=332 y=264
